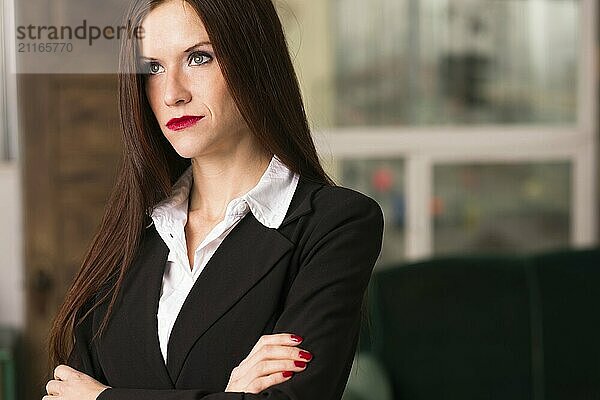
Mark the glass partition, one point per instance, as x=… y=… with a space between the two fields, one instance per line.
x=479 y=208
x=383 y=180
x=442 y=91
x=432 y=62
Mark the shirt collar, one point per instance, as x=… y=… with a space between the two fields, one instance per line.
x=268 y=200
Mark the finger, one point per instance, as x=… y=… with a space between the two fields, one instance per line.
x=269 y=367
x=265 y=382
x=53 y=387
x=244 y=376
x=63 y=372
x=284 y=339
x=260 y=365
x=251 y=365
x=278 y=352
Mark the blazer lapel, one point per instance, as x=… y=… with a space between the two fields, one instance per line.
x=301 y=203
x=141 y=304
x=246 y=254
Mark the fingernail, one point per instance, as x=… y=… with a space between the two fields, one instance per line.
x=287 y=374
x=300 y=364
x=296 y=338
x=305 y=354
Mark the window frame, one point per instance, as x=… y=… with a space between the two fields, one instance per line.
x=422 y=148
x=9 y=143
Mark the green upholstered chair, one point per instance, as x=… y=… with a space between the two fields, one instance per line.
x=485 y=327
x=8 y=363
x=368 y=379
x=569 y=323
x=455 y=328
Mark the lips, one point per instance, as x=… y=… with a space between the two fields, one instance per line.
x=177 y=124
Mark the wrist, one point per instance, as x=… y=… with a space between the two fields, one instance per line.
x=103 y=393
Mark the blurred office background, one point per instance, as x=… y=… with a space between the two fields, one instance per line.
x=473 y=123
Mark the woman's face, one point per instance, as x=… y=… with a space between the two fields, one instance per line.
x=184 y=79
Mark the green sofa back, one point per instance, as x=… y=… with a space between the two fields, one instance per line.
x=489 y=327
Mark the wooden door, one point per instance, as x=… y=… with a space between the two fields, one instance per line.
x=71 y=149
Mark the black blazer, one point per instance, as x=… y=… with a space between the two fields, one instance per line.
x=307 y=277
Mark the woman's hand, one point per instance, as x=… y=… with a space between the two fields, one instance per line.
x=273 y=360
x=70 y=384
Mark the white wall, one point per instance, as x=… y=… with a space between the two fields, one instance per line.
x=12 y=299
x=11 y=255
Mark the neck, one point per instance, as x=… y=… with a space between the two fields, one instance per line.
x=219 y=179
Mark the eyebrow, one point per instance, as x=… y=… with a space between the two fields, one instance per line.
x=199 y=44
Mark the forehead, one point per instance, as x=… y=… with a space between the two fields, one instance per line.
x=170 y=27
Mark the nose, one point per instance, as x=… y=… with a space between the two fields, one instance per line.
x=176 y=90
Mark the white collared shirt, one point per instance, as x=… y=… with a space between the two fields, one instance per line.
x=268 y=201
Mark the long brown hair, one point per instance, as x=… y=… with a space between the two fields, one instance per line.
x=252 y=53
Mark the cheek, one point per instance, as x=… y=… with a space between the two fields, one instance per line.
x=227 y=103
x=221 y=96
x=211 y=89
x=152 y=94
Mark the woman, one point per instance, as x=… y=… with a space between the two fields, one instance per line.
x=228 y=264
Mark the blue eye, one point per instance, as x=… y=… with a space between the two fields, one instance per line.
x=197 y=57
x=153 y=68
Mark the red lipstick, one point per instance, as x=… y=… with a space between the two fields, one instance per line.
x=177 y=124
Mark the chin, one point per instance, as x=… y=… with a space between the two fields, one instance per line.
x=188 y=147
x=187 y=153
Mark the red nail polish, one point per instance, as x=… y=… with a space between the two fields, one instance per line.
x=300 y=364
x=305 y=354
x=287 y=374
x=297 y=338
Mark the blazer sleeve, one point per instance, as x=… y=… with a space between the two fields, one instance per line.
x=83 y=356
x=323 y=306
